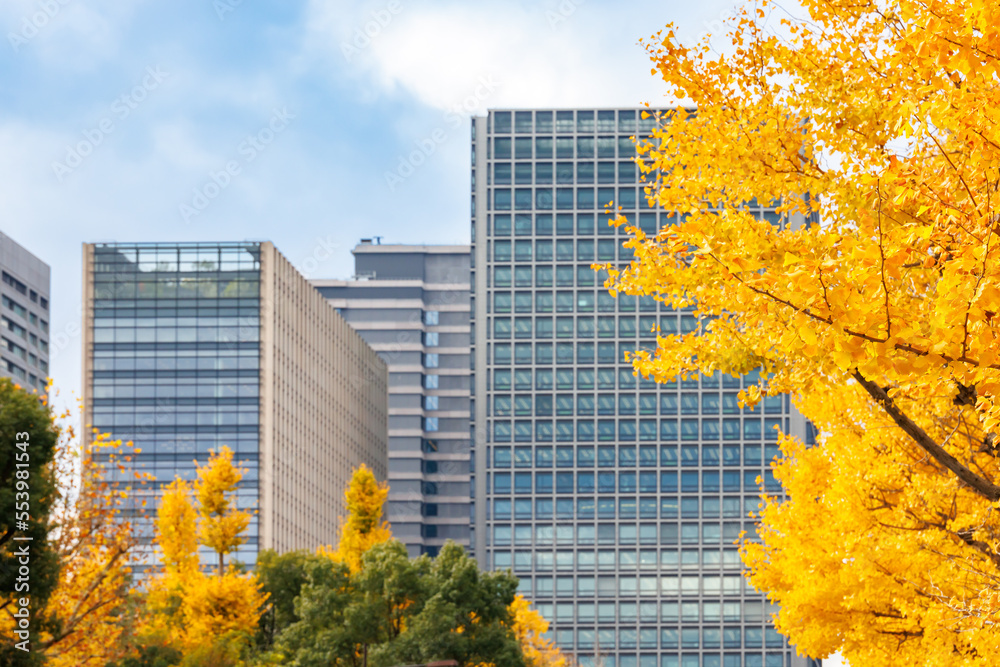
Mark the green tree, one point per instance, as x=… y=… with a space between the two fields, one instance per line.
x=281 y=578
x=317 y=635
x=396 y=610
x=466 y=616
x=28 y=438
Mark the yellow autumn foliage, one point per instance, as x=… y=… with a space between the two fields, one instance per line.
x=176 y=528
x=220 y=525
x=364 y=526
x=529 y=626
x=874 y=303
x=95 y=544
x=188 y=607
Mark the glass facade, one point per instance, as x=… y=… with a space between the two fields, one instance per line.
x=176 y=363
x=615 y=499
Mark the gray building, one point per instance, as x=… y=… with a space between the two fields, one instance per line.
x=616 y=500
x=24 y=292
x=411 y=304
x=192 y=346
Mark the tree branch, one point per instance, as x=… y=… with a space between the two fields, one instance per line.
x=983 y=487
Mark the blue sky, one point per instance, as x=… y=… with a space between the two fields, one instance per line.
x=210 y=120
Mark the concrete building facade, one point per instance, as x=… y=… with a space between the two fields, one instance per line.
x=615 y=499
x=411 y=304
x=189 y=347
x=24 y=316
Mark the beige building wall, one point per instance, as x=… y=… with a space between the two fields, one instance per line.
x=323 y=410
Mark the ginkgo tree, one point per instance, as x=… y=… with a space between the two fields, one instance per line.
x=191 y=610
x=871 y=127
x=364 y=525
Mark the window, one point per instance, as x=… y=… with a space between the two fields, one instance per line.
x=19 y=286
x=14 y=306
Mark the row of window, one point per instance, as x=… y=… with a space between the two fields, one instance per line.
x=584 y=300
x=621 y=534
x=564 y=353
x=606 y=351
x=21 y=288
x=622 y=560
x=746 y=659
x=227 y=366
x=172 y=287
x=190 y=334
x=563 y=147
x=562 y=276
x=183 y=435
x=14 y=306
x=165 y=470
x=581 y=120
x=582 y=173
x=197 y=256
x=29 y=357
x=667 y=585
x=114 y=420
x=165 y=390
x=585 y=327
x=673 y=638
x=626 y=456
x=522 y=379
x=582 y=275
x=19 y=330
x=665 y=481
x=164 y=312
x=628 y=430
x=707 y=403
x=179 y=449
x=505 y=328
x=159 y=321
x=547 y=199
x=583 y=224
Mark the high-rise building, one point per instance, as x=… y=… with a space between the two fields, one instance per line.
x=615 y=499
x=192 y=346
x=411 y=304
x=24 y=352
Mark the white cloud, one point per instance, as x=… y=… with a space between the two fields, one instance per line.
x=557 y=54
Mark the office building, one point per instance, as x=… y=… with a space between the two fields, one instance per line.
x=411 y=304
x=616 y=500
x=24 y=352
x=192 y=346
